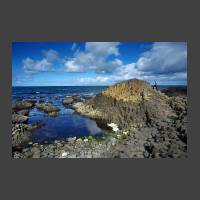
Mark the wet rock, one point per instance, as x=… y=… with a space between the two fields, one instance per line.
x=48 y=108
x=87 y=97
x=76 y=97
x=16 y=118
x=23 y=112
x=22 y=105
x=67 y=101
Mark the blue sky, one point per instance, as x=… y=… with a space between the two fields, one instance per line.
x=97 y=63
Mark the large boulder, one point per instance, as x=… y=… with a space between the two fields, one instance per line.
x=21 y=105
x=20 y=134
x=67 y=101
x=76 y=97
x=48 y=108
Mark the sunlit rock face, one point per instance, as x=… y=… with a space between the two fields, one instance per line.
x=130 y=103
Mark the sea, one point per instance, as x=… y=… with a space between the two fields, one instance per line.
x=68 y=123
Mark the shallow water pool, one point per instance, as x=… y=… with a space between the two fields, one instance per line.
x=66 y=124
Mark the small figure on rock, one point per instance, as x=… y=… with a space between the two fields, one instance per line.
x=155 y=86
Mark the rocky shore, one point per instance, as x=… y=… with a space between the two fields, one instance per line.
x=145 y=123
x=21 y=131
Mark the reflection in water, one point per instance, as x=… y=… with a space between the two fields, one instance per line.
x=66 y=124
x=92 y=127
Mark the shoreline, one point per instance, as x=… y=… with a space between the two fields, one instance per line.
x=136 y=142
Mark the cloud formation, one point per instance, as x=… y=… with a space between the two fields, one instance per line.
x=164 y=57
x=43 y=65
x=95 y=58
x=32 y=66
x=50 y=55
x=164 y=62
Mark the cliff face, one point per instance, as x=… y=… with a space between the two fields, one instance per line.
x=131 y=103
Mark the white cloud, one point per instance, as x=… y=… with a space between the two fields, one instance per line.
x=31 y=66
x=95 y=58
x=165 y=62
x=164 y=57
x=102 y=48
x=45 y=64
x=50 y=55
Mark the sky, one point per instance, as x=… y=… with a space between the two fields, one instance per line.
x=98 y=63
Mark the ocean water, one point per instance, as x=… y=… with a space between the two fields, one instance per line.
x=52 y=92
x=67 y=123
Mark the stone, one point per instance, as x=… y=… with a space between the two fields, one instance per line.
x=21 y=105
x=71 y=139
x=23 y=112
x=64 y=154
x=68 y=100
x=16 y=118
x=48 y=108
x=114 y=127
x=36 y=155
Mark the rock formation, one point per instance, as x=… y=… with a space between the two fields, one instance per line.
x=130 y=103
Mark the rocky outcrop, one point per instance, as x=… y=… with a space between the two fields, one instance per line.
x=22 y=105
x=17 y=118
x=132 y=103
x=48 y=108
x=159 y=121
x=21 y=133
x=68 y=101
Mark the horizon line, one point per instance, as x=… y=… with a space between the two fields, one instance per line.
x=85 y=85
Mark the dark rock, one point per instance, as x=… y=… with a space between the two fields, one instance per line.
x=41 y=101
x=21 y=105
x=76 y=97
x=21 y=138
x=16 y=118
x=48 y=108
x=23 y=112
